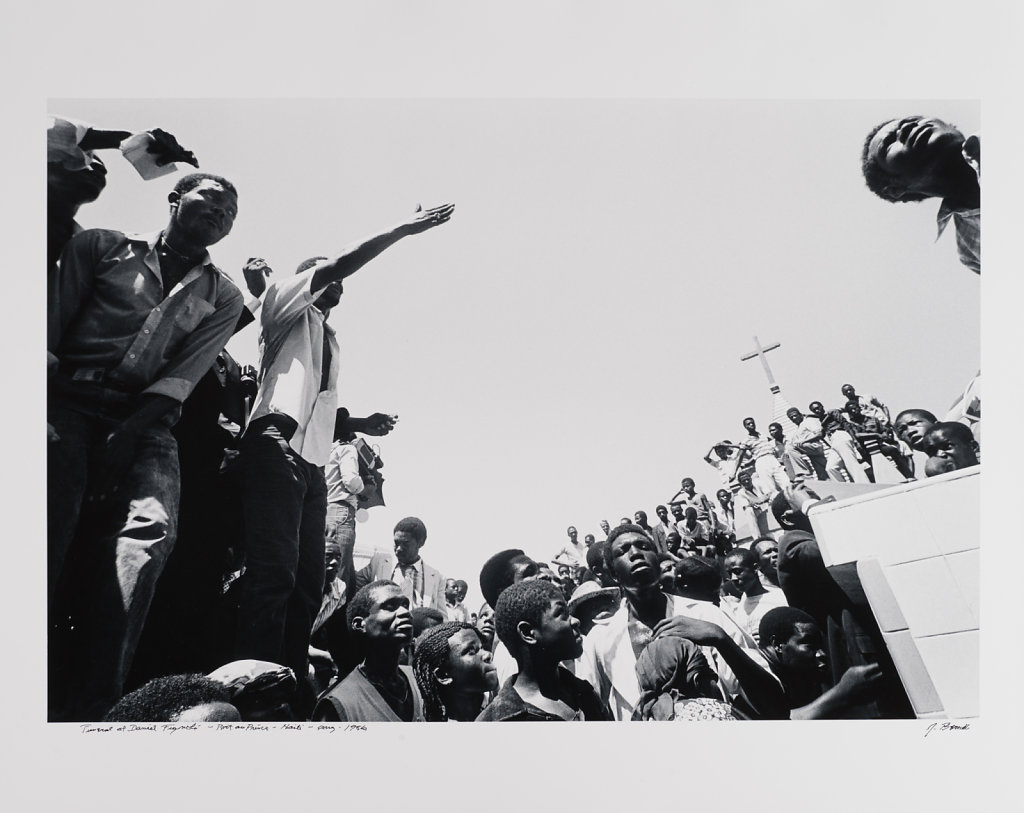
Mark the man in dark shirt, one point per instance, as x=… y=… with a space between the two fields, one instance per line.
x=134 y=321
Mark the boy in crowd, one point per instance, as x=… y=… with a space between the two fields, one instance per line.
x=453 y=671
x=664 y=527
x=952 y=442
x=742 y=570
x=724 y=456
x=503 y=569
x=695 y=534
x=595 y=563
x=757 y=502
x=687 y=496
x=379 y=689
x=453 y=596
x=534 y=623
x=911 y=425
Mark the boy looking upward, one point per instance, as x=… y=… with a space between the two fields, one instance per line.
x=534 y=622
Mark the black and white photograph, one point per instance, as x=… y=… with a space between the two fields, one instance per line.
x=504 y=402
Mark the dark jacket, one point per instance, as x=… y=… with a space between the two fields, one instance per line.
x=509 y=706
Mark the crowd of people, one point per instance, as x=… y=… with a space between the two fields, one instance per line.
x=201 y=513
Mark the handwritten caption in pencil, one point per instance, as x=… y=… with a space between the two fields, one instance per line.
x=173 y=728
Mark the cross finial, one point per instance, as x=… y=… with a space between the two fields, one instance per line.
x=759 y=353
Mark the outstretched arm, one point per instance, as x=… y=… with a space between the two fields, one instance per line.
x=355 y=256
x=164 y=145
x=761 y=688
x=377 y=424
x=856 y=685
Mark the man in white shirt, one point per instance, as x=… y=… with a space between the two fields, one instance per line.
x=761 y=450
x=573 y=549
x=806 y=449
x=286 y=445
x=741 y=569
x=454 y=592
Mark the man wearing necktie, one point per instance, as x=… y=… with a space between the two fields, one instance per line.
x=286 y=445
x=419 y=582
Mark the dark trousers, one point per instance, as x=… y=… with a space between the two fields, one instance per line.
x=182 y=633
x=104 y=558
x=284 y=499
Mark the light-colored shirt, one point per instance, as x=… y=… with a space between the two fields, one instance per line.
x=577 y=553
x=342 y=473
x=808 y=428
x=291 y=358
x=726 y=468
x=456 y=612
x=871 y=407
x=411 y=576
x=111 y=322
x=758 y=446
x=748 y=611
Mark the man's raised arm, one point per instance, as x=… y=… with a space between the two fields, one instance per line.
x=355 y=256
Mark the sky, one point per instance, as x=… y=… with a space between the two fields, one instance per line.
x=568 y=347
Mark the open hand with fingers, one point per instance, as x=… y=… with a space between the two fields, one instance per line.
x=424 y=219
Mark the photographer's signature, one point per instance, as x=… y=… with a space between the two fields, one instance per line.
x=946 y=727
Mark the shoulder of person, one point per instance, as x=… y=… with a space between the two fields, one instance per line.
x=231 y=289
x=98 y=239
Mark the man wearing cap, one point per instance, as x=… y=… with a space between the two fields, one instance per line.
x=593 y=604
x=288 y=442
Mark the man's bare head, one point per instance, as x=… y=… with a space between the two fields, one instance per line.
x=908 y=159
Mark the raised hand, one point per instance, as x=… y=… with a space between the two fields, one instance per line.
x=256 y=271
x=167 y=149
x=379 y=424
x=424 y=219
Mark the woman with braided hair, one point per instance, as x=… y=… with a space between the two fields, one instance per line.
x=453 y=671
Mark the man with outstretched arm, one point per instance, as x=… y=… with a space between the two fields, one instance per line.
x=287 y=443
